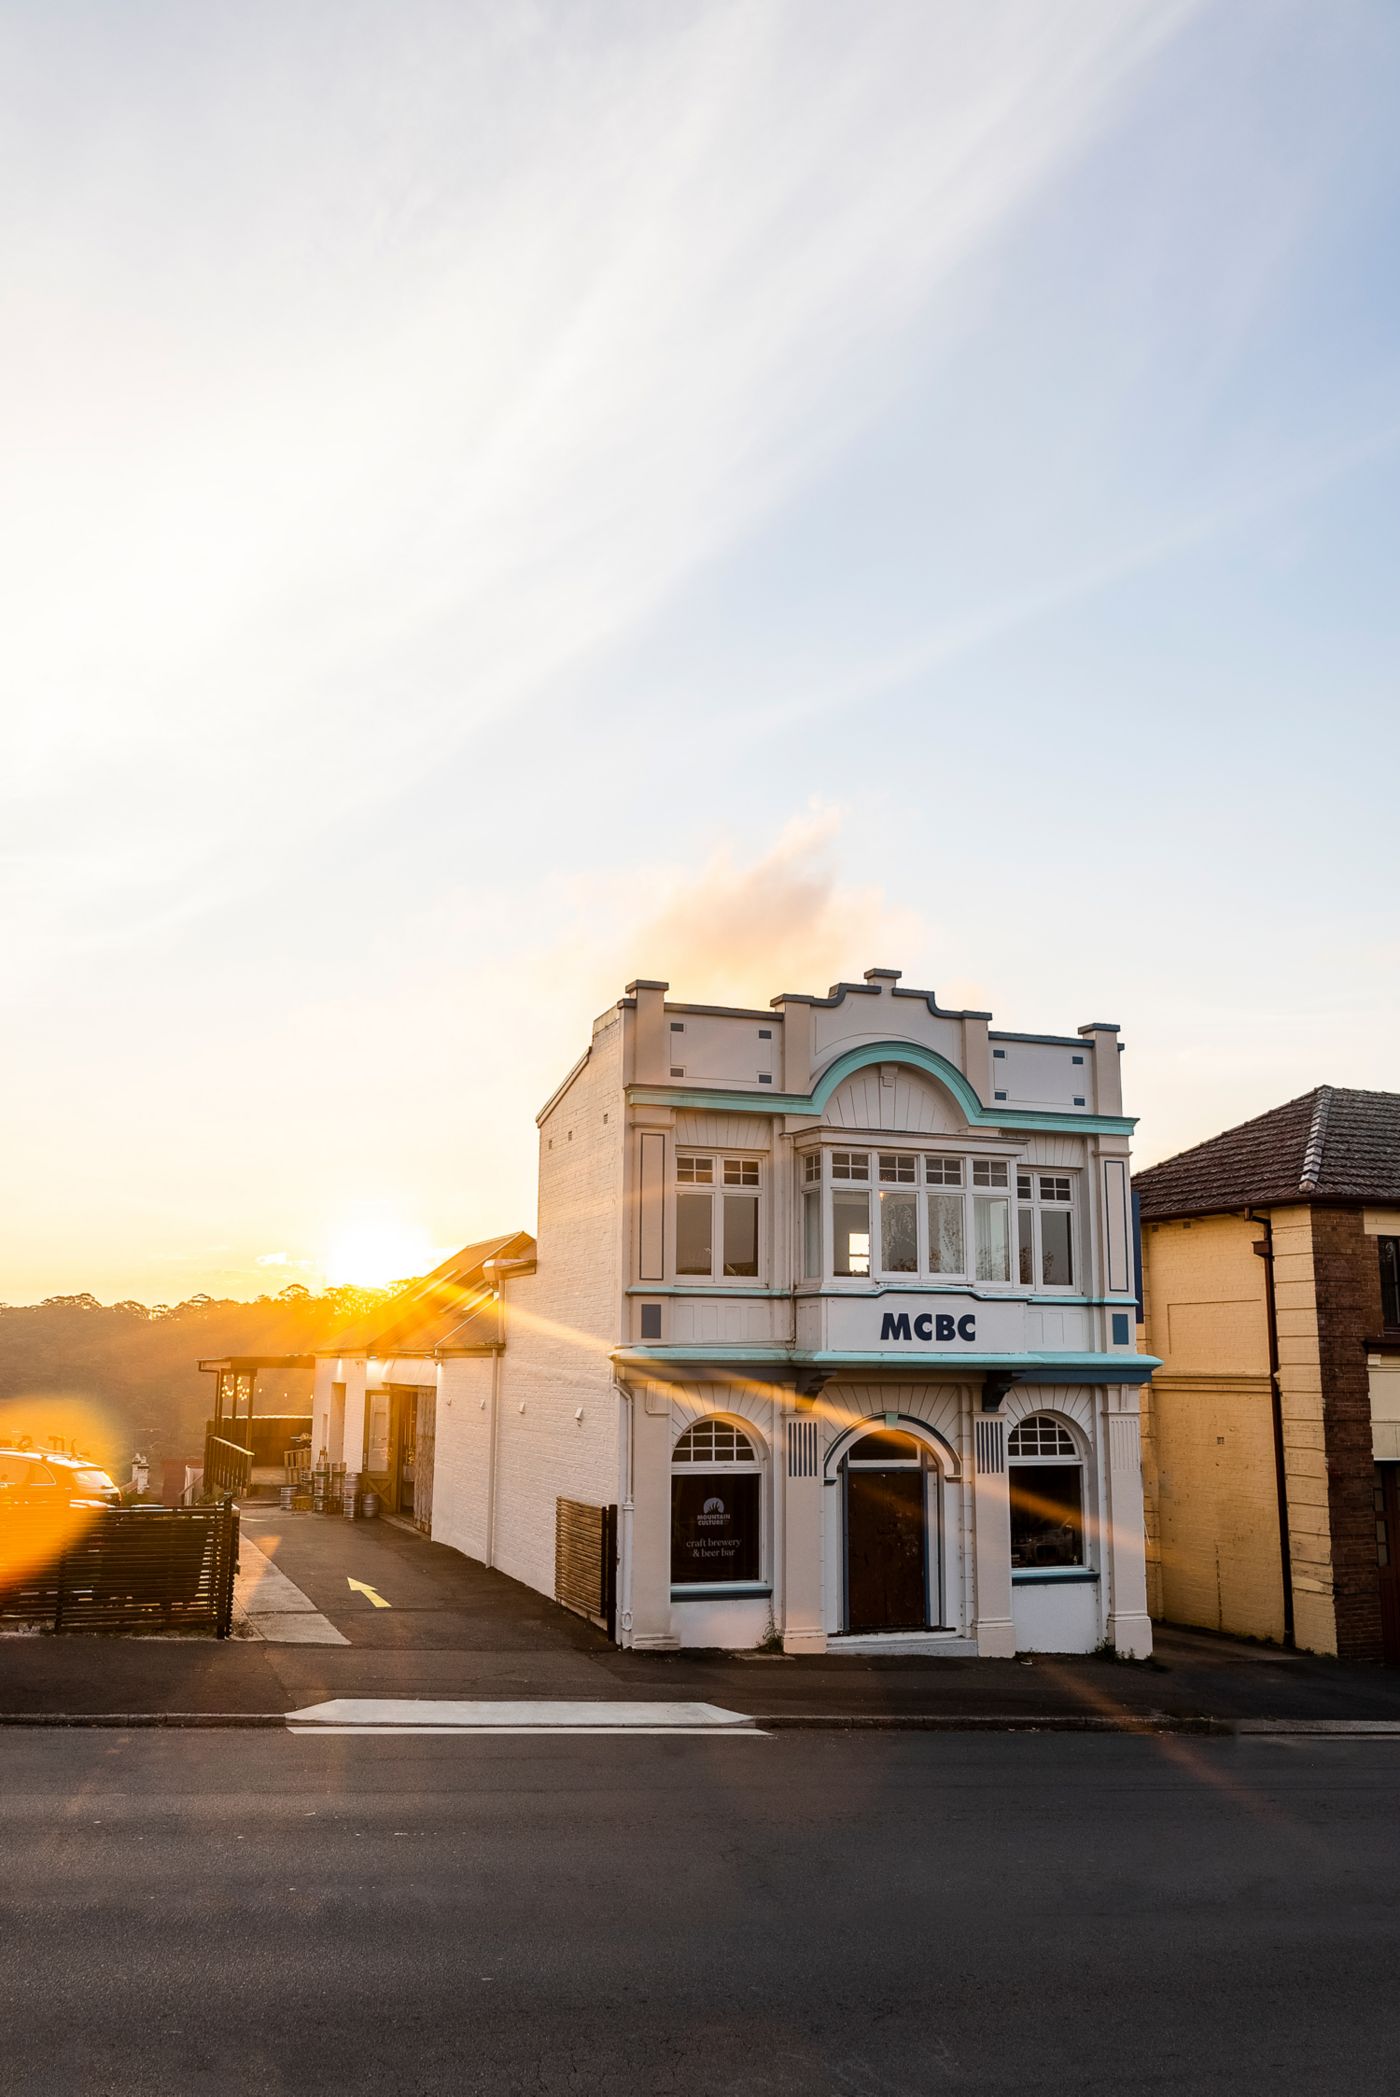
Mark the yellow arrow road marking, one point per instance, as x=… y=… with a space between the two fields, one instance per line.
x=371 y=1594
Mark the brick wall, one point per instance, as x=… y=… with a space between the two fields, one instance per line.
x=1347 y=1277
x=1210 y=1490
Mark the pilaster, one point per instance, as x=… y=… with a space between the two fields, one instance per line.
x=650 y=1585
x=993 y=1627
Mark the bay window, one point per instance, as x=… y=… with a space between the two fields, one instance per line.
x=905 y=1212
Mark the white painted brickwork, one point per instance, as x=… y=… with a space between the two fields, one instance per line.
x=462 y=1456
x=562 y=1323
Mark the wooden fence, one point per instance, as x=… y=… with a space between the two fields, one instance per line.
x=131 y=1569
x=585 y=1561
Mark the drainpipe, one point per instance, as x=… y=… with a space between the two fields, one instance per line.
x=495 y=1419
x=626 y=1402
x=1285 y=1548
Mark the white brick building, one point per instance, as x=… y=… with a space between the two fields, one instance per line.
x=832 y=1303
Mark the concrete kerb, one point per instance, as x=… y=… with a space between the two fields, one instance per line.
x=790 y=1722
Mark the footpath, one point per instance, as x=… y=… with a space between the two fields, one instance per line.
x=371 y=1610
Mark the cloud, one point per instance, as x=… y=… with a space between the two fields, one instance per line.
x=740 y=930
x=515 y=325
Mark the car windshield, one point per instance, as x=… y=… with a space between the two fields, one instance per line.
x=95 y=1481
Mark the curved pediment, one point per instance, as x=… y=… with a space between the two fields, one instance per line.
x=891 y=1096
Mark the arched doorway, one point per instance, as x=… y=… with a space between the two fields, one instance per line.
x=891 y=1558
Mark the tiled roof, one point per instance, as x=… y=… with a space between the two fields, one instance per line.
x=1330 y=1145
x=451 y=1307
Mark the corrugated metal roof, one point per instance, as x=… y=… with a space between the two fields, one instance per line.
x=454 y=1306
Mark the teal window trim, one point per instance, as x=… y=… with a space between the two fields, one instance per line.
x=1061 y=1366
x=809 y=1291
x=737 y=1591
x=908 y=1053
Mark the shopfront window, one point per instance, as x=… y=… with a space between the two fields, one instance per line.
x=716 y=1507
x=1045 y=1473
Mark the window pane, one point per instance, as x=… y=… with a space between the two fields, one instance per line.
x=741 y=1172
x=715 y=1531
x=694 y=1222
x=812 y=1166
x=741 y=1234
x=945 y=1234
x=1047 y=1514
x=811 y=1234
x=943 y=1172
x=850 y=1165
x=695 y=1171
x=989 y=1172
x=1055 y=1253
x=1390 y=1280
x=896 y=1168
x=850 y=1230
x=993 y=1227
x=899 y=1234
x=1025 y=1244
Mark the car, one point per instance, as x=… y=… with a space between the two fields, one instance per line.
x=41 y=1479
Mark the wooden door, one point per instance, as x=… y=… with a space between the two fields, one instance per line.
x=423 y=1476
x=406 y=1465
x=886 y=1548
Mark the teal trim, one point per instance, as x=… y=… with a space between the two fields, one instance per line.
x=812 y=1292
x=907 y=1052
x=1045 y=1367
x=702 y=1289
x=720 y=1594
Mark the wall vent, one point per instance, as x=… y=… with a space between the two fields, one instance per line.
x=802 y=1448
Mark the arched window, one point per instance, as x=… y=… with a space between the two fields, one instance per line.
x=1045 y=1472
x=1041 y=1436
x=716 y=1506
x=714 y=1441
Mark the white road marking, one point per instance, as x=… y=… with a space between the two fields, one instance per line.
x=535 y=1732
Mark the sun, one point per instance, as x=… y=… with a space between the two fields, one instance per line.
x=375 y=1247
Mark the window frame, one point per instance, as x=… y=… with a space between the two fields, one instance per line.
x=755 y=1466
x=1059 y=1458
x=885 y=1174
x=1388 y=1256
x=717 y=1189
x=1032 y=1206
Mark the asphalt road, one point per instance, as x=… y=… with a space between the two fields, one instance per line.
x=885 y=1916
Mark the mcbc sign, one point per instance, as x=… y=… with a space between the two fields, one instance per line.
x=928 y=1325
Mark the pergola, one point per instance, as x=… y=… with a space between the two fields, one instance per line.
x=228 y=1453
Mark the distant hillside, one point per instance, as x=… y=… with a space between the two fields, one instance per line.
x=136 y=1364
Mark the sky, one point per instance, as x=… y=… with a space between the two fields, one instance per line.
x=499 y=501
